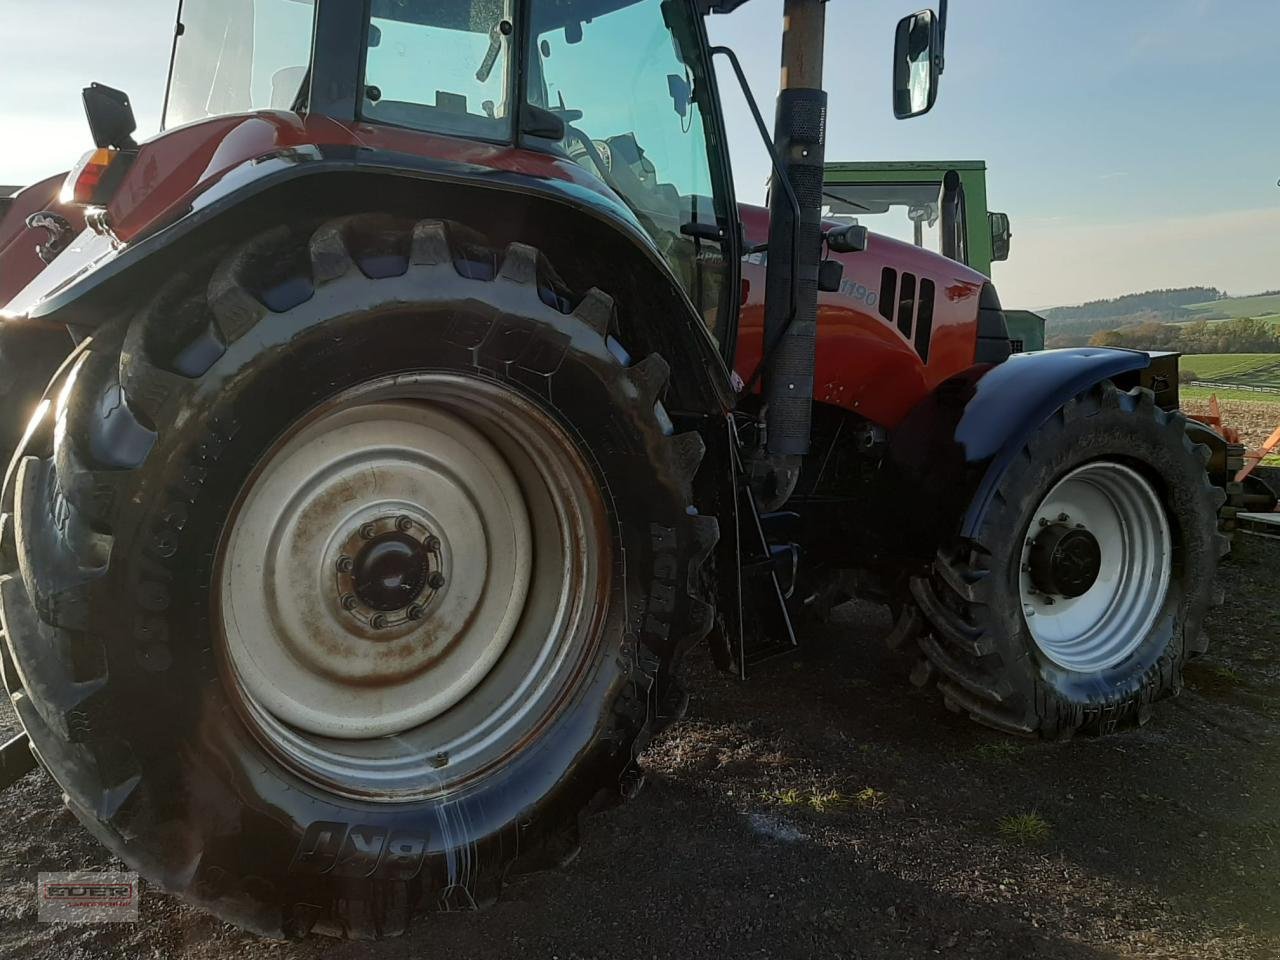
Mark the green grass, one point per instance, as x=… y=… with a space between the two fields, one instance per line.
x=1253 y=369
x=870 y=797
x=997 y=751
x=1236 y=307
x=1243 y=369
x=1224 y=673
x=1024 y=828
x=1226 y=393
x=825 y=801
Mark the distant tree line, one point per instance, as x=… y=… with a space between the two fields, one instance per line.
x=1242 y=335
x=1162 y=304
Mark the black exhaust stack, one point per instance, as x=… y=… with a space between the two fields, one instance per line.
x=800 y=140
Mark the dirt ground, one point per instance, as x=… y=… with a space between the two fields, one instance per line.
x=828 y=809
x=1256 y=420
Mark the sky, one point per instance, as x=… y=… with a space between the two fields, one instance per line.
x=1134 y=144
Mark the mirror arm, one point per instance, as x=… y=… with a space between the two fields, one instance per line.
x=780 y=179
x=942 y=35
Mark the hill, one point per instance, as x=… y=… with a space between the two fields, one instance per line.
x=1158 y=315
x=1152 y=306
x=1264 y=305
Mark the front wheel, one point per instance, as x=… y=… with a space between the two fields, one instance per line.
x=1085 y=590
x=355 y=571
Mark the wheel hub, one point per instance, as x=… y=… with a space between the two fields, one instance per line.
x=1065 y=560
x=389 y=570
x=1095 y=567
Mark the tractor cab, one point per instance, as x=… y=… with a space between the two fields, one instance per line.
x=620 y=88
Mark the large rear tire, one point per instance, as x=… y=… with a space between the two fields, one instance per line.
x=355 y=572
x=1085 y=590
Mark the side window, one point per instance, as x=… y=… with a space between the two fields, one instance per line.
x=630 y=100
x=441 y=65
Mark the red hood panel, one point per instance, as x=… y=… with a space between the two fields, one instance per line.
x=865 y=363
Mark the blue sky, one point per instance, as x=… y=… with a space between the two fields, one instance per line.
x=1133 y=143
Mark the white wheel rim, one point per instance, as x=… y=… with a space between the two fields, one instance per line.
x=400 y=693
x=1106 y=624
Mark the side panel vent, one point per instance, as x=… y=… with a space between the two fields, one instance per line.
x=888 y=292
x=924 y=320
x=906 y=304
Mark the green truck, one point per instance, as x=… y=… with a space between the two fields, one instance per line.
x=941 y=205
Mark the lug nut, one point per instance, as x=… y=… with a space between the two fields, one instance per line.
x=379 y=622
x=416 y=612
x=436 y=580
x=1063 y=518
x=432 y=543
x=368 y=531
x=441 y=759
x=345 y=565
x=349 y=602
x=404 y=524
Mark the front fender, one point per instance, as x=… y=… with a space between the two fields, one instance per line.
x=947 y=456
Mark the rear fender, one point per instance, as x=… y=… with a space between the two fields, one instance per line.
x=947 y=456
x=590 y=242
x=19 y=260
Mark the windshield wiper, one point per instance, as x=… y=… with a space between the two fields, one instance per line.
x=501 y=30
x=840 y=199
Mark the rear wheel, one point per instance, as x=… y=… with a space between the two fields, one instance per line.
x=355 y=573
x=1085 y=590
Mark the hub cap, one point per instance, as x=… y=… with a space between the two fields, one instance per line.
x=1096 y=566
x=408 y=581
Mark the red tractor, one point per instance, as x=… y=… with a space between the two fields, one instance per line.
x=432 y=396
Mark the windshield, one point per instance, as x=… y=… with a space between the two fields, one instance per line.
x=233 y=56
x=631 y=94
x=904 y=211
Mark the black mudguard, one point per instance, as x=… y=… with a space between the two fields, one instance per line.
x=946 y=457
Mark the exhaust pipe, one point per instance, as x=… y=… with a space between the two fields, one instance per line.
x=800 y=142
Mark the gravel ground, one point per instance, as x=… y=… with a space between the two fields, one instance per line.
x=828 y=809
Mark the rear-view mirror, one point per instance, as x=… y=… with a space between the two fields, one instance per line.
x=110 y=116
x=1000 y=235
x=917 y=64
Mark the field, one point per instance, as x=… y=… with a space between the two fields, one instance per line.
x=1245 y=369
x=1260 y=306
x=826 y=808
x=1255 y=419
